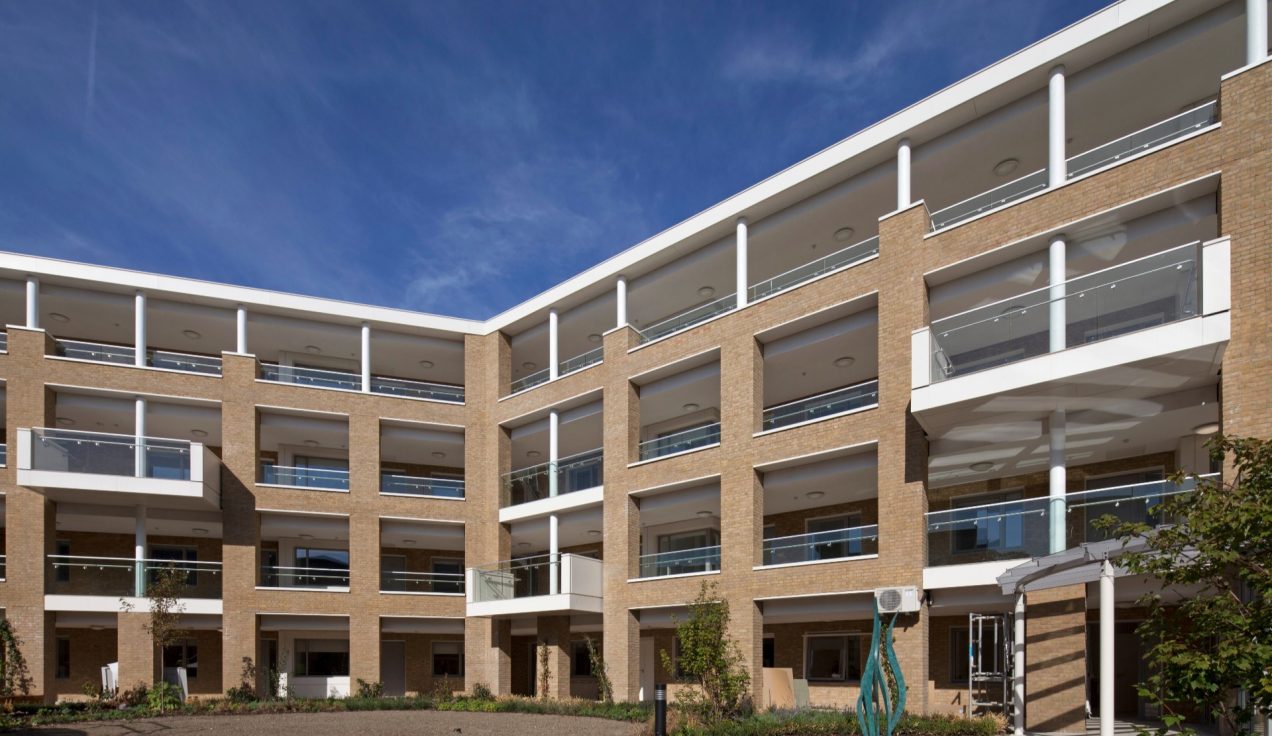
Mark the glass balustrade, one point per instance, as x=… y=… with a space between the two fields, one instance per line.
x=1147 y=292
x=187 y=362
x=75 y=451
x=413 y=389
x=683 y=441
x=688 y=318
x=579 y=362
x=986 y=201
x=414 y=485
x=405 y=581
x=828 y=404
x=530 y=381
x=573 y=473
x=839 y=259
x=127 y=576
x=315 y=377
x=525 y=577
x=828 y=545
x=95 y=351
x=4 y=342
x=315 y=578
x=321 y=478
x=1154 y=136
x=680 y=562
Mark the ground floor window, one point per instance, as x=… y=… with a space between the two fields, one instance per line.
x=958 y=653
x=63 y=657
x=448 y=659
x=769 y=652
x=581 y=663
x=184 y=653
x=834 y=657
x=322 y=657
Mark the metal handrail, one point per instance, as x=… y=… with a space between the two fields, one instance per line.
x=864 y=389
x=688 y=318
x=1210 y=109
x=703 y=556
x=1037 y=182
x=279 y=373
x=336 y=475
x=831 y=262
x=530 y=381
x=710 y=434
x=424 y=482
x=581 y=361
x=394 y=386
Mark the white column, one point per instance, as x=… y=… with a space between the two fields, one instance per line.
x=903 y=174
x=1056 y=482
x=620 y=298
x=554 y=345
x=554 y=449
x=1018 y=665
x=1256 y=31
x=240 y=329
x=139 y=329
x=741 y=263
x=1056 y=278
x=366 y=358
x=139 y=432
x=139 y=552
x=554 y=541
x=1057 y=171
x=554 y=552
x=1106 y=649
x=33 y=302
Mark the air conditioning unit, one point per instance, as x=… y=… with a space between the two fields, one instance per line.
x=897 y=600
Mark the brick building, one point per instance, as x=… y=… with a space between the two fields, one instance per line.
x=933 y=351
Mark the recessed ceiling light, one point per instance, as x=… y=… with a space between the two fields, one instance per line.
x=198 y=433
x=313 y=349
x=594 y=337
x=426 y=364
x=594 y=532
x=704 y=513
x=844 y=233
x=532 y=453
x=306 y=536
x=529 y=365
x=65 y=421
x=690 y=406
x=981 y=466
x=94 y=627
x=815 y=494
x=59 y=317
x=438 y=454
x=523 y=545
x=1207 y=428
x=199 y=530
x=844 y=361
x=311 y=443
x=192 y=334
x=706 y=292
x=1005 y=167
x=409 y=542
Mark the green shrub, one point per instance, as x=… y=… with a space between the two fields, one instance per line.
x=163 y=697
x=369 y=689
x=834 y=723
x=481 y=691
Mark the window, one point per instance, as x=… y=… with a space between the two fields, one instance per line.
x=828 y=545
x=322 y=658
x=1120 y=487
x=997 y=528
x=958 y=653
x=176 y=555
x=184 y=653
x=316 y=472
x=767 y=658
x=330 y=566
x=63 y=571
x=63 y=658
x=449 y=575
x=448 y=659
x=837 y=658
x=580 y=661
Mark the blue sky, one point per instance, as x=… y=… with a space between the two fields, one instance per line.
x=450 y=157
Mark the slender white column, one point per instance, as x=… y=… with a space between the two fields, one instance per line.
x=1106 y=649
x=366 y=358
x=620 y=294
x=139 y=329
x=1018 y=665
x=1056 y=482
x=240 y=329
x=554 y=552
x=903 y=174
x=1057 y=170
x=33 y=302
x=554 y=345
x=1256 y=31
x=554 y=450
x=139 y=432
x=742 y=263
x=554 y=539
x=139 y=552
x=1056 y=278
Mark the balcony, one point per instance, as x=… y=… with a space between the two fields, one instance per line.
x=579 y=362
x=688 y=318
x=574 y=473
x=674 y=443
x=838 y=401
x=125 y=355
x=123 y=577
x=1020 y=529
x=540 y=584
x=412 y=485
x=853 y=254
x=313 y=577
x=1140 y=142
x=838 y=544
x=96 y=467
x=436 y=583
x=348 y=381
x=317 y=478
x=413 y=389
x=680 y=562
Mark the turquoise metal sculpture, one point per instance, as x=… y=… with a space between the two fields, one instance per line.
x=876 y=713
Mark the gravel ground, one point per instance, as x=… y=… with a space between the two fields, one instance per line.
x=363 y=723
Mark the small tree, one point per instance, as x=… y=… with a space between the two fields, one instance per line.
x=1216 y=640
x=15 y=678
x=164 y=596
x=710 y=659
x=545 y=669
x=604 y=688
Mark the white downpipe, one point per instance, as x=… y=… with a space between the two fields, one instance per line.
x=139 y=426
x=33 y=302
x=139 y=329
x=554 y=555
x=620 y=299
x=1056 y=480
x=1018 y=666
x=240 y=329
x=741 y=263
x=554 y=450
x=139 y=552
x=366 y=358
x=1056 y=278
x=1256 y=31
x=1106 y=649
x=1056 y=168
x=903 y=173
x=554 y=345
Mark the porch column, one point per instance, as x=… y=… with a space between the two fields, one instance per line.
x=139 y=553
x=1106 y=649
x=33 y=303
x=139 y=329
x=554 y=346
x=554 y=540
x=742 y=263
x=139 y=437
x=240 y=329
x=1056 y=273
x=1256 y=31
x=1057 y=480
x=1018 y=666
x=903 y=174
x=366 y=358
x=1057 y=171
x=620 y=299
x=554 y=451
x=554 y=554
